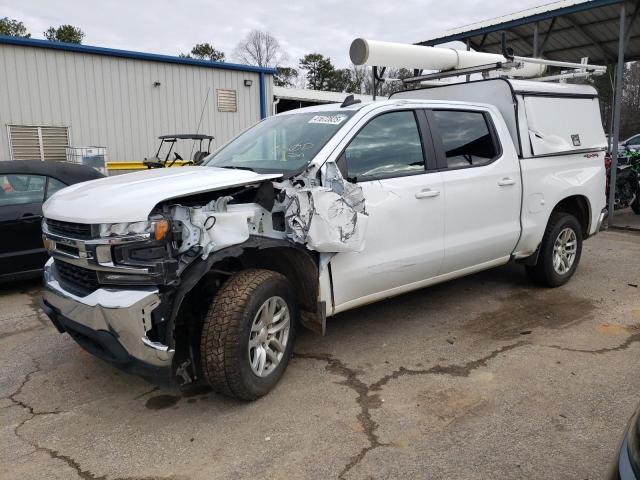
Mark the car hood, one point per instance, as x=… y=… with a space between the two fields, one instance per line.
x=132 y=196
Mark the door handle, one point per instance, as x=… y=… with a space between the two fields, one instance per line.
x=506 y=181
x=30 y=217
x=427 y=193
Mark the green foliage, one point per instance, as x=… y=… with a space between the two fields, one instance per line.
x=64 y=33
x=285 y=77
x=205 y=51
x=13 y=28
x=319 y=70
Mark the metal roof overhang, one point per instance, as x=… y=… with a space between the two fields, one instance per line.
x=113 y=52
x=567 y=31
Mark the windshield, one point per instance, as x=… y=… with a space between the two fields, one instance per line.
x=280 y=144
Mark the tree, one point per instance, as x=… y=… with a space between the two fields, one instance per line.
x=285 y=77
x=359 y=79
x=319 y=70
x=205 y=51
x=13 y=28
x=261 y=49
x=630 y=102
x=64 y=33
x=342 y=81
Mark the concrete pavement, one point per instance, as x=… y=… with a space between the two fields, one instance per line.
x=483 y=377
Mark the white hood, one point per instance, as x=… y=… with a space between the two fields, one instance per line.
x=132 y=196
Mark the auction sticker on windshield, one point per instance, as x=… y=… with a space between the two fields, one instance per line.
x=328 y=119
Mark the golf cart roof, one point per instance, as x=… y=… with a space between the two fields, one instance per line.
x=190 y=136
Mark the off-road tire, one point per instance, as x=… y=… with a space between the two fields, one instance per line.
x=543 y=273
x=635 y=205
x=226 y=330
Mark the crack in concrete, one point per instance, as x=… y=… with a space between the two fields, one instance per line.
x=22 y=330
x=365 y=401
x=144 y=394
x=454 y=370
x=54 y=454
x=631 y=339
x=368 y=401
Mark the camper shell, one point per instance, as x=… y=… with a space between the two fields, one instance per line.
x=543 y=118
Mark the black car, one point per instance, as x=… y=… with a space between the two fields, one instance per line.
x=24 y=186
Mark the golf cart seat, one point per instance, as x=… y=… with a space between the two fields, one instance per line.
x=198 y=157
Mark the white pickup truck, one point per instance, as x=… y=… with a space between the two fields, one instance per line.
x=205 y=273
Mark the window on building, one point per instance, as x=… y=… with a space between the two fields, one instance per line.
x=388 y=146
x=227 y=100
x=29 y=142
x=466 y=138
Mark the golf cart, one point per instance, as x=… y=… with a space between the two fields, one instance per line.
x=171 y=140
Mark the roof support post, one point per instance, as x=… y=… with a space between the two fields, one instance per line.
x=547 y=35
x=263 y=96
x=617 y=101
x=468 y=49
x=632 y=23
x=535 y=40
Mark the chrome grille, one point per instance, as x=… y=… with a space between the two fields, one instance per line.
x=75 y=230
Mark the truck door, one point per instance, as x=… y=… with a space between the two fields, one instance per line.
x=483 y=190
x=404 y=239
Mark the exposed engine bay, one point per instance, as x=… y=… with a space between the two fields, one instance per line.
x=327 y=216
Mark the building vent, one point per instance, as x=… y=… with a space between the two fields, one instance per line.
x=227 y=101
x=30 y=142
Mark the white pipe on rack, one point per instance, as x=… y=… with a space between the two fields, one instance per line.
x=564 y=76
x=554 y=63
x=399 y=55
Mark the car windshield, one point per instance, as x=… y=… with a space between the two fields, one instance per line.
x=280 y=144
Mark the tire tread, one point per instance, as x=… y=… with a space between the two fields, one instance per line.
x=221 y=332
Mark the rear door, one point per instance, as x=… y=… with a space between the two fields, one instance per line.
x=21 y=198
x=482 y=185
x=404 y=238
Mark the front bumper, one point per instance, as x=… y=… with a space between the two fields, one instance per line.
x=109 y=323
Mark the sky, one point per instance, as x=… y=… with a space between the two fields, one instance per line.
x=302 y=26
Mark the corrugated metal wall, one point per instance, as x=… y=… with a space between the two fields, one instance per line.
x=112 y=102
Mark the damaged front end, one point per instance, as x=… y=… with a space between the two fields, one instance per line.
x=137 y=300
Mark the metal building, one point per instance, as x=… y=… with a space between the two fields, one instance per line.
x=55 y=95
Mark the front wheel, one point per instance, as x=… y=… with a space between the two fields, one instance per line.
x=248 y=333
x=635 y=205
x=560 y=251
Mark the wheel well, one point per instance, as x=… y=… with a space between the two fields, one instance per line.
x=300 y=268
x=578 y=206
x=298 y=265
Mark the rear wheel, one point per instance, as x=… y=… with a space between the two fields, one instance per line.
x=560 y=251
x=248 y=334
x=635 y=205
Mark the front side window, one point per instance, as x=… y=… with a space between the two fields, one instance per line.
x=280 y=144
x=388 y=146
x=21 y=189
x=466 y=138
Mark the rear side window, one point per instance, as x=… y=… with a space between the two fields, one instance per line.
x=53 y=186
x=388 y=146
x=21 y=189
x=466 y=138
